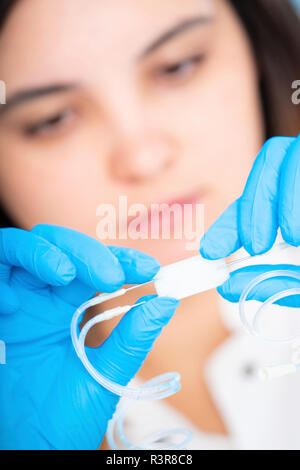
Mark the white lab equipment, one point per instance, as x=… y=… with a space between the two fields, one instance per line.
x=190 y=276
x=178 y=280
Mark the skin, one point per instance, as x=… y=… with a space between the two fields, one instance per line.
x=131 y=125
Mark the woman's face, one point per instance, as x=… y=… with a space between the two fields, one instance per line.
x=155 y=100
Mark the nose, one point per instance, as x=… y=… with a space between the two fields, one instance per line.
x=143 y=158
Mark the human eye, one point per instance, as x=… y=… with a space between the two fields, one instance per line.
x=180 y=71
x=55 y=123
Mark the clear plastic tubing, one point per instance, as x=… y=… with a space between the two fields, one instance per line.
x=253 y=327
x=158 y=388
x=165 y=385
x=178 y=280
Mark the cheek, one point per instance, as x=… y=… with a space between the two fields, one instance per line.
x=221 y=126
x=236 y=133
x=224 y=147
x=45 y=189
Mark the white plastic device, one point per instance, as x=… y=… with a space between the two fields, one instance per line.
x=190 y=276
x=178 y=280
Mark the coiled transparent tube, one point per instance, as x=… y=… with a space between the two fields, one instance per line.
x=280 y=370
x=164 y=386
x=253 y=327
x=167 y=384
x=154 y=441
x=158 y=388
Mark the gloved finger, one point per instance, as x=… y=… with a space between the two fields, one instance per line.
x=34 y=254
x=137 y=266
x=75 y=293
x=222 y=238
x=122 y=354
x=95 y=264
x=289 y=201
x=232 y=289
x=9 y=302
x=258 y=210
x=21 y=277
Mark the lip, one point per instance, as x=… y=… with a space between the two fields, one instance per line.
x=193 y=197
x=159 y=208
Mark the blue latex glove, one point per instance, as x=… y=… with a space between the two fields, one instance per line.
x=47 y=398
x=270 y=201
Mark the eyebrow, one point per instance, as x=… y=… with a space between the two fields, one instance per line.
x=179 y=28
x=30 y=94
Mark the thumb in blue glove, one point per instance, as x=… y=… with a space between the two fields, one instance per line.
x=270 y=201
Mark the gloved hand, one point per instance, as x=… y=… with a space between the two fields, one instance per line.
x=47 y=398
x=271 y=200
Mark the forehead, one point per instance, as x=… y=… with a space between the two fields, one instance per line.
x=54 y=37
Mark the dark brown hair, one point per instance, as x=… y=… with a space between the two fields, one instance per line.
x=5 y=7
x=273 y=28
